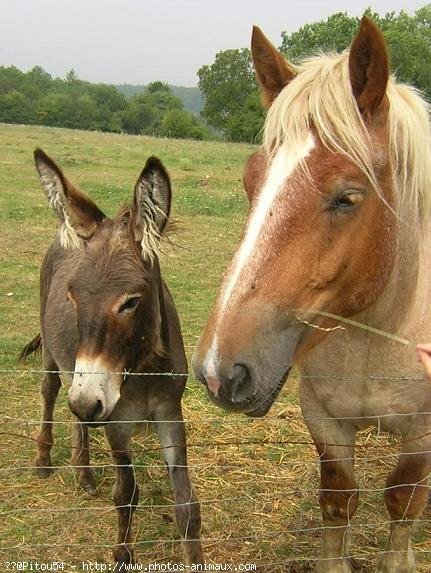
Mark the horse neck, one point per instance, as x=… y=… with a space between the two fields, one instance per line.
x=405 y=302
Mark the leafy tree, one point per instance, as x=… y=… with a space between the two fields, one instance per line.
x=139 y=115
x=15 y=108
x=85 y=113
x=408 y=39
x=160 y=98
x=157 y=87
x=182 y=124
x=190 y=96
x=247 y=125
x=145 y=112
x=56 y=110
x=331 y=35
x=110 y=103
x=108 y=97
x=227 y=86
x=71 y=77
x=37 y=76
x=11 y=78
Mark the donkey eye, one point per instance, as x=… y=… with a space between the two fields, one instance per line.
x=129 y=305
x=71 y=299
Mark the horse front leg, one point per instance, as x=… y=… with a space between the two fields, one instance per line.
x=338 y=491
x=49 y=391
x=126 y=492
x=338 y=503
x=81 y=457
x=406 y=496
x=187 y=509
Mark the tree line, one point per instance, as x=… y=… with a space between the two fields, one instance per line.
x=232 y=108
x=36 y=98
x=190 y=96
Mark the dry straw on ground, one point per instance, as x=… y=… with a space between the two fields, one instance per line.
x=257 y=481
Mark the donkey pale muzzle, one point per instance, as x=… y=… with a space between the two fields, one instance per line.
x=95 y=390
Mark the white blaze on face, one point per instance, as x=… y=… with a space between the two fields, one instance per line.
x=94 y=382
x=213 y=382
x=283 y=165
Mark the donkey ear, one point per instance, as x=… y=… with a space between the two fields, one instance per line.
x=273 y=72
x=152 y=205
x=77 y=213
x=368 y=67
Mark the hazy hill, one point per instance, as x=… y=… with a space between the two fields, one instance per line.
x=191 y=97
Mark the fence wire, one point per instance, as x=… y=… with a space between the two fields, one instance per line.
x=208 y=541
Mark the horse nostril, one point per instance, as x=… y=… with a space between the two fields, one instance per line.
x=239 y=379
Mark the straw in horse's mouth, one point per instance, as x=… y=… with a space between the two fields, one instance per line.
x=264 y=406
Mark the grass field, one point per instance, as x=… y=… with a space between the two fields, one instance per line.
x=259 y=500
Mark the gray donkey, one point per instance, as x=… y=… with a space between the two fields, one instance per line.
x=105 y=313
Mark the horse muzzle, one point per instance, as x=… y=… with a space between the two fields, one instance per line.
x=252 y=380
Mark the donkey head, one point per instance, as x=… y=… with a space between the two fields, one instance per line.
x=110 y=277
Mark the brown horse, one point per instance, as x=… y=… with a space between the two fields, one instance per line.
x=338 y=223
x=106 y=316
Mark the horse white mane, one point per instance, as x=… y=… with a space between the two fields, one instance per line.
x=321 y=96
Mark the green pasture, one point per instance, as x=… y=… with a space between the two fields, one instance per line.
x=259 y=501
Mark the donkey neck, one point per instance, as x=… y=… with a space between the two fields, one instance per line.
x=159 y=356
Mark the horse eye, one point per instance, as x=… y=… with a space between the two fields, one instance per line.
x=130 y=305
x=346 y=201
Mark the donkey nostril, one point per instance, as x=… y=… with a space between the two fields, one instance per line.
x=95 y=412
x=98 y=409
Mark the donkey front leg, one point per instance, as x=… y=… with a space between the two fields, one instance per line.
x=81 y=457
x=49 y=390
x=187 y=510
x=126 y=492
x=406 y=497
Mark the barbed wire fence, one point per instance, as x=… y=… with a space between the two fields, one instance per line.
x=211 y=539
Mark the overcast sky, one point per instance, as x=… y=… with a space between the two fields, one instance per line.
x=138 y=41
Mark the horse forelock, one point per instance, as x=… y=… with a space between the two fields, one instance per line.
x=320 y=98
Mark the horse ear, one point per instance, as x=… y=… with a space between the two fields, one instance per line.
x=273 y=72
x=368 y=67
x=78 y=215
x=152 y=206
